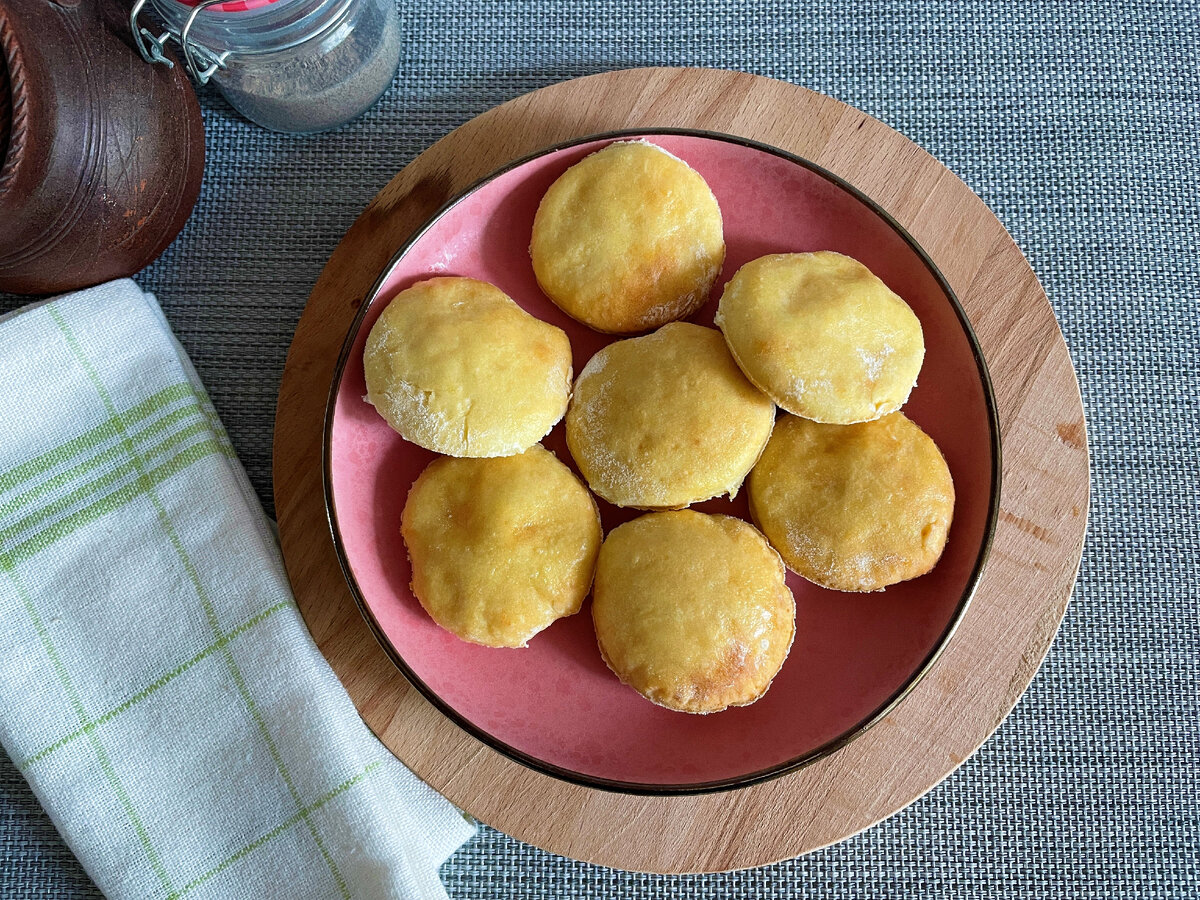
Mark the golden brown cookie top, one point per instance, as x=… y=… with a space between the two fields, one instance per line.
x=457 y=367
x=822 y=336
x=627 y=239
x=502 y=547
x=666 y=420
x=853 y=507
x=691 y=610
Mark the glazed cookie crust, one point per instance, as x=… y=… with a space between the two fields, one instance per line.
x=500 y=548
x=455 y=366
x=691 y=610
x=665 y=420
x=822 y=336
x=853 y=507
x=628 y=239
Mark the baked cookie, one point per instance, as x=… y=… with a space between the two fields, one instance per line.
x=456 y=367
x=853 y=507
x=822 y=336
x=628 y=239
x=691 y=610
x=500 y=548
x=665 y=420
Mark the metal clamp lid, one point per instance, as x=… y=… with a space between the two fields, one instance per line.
x=201 y=62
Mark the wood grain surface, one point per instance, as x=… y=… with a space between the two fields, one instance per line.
x=1008 y=627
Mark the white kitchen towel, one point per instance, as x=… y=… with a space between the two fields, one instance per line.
x=158 y=687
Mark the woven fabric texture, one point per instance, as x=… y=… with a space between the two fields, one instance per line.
x=1079 y=125
x=156 y=679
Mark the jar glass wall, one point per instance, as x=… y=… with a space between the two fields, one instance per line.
x=296 y=65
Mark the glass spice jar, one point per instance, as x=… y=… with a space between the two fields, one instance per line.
x=290 y=65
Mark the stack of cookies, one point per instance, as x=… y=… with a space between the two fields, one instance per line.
x=692 y=610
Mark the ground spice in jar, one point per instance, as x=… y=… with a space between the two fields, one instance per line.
x=320 y=83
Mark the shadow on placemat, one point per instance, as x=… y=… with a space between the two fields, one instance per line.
x=34 y=862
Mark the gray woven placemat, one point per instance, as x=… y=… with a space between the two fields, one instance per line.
x=1079 y=127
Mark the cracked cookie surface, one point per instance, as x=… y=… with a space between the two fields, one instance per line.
x=628 y=239
x=692 y=610
x=822 y=336
x=456 y=366
x=500 y=548
x=853 y=507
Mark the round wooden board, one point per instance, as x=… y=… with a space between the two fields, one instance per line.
x=1008 y=627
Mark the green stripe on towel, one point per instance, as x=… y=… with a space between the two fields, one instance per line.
x=115 y=500
x=202 y=595
x=154 y=686
x=105 y=431
x=106 y=766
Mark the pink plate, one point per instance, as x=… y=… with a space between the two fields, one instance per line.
x=554 y=705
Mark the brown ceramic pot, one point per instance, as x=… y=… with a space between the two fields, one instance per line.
x=101 y=154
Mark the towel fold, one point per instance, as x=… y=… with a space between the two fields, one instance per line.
x=158 y=688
